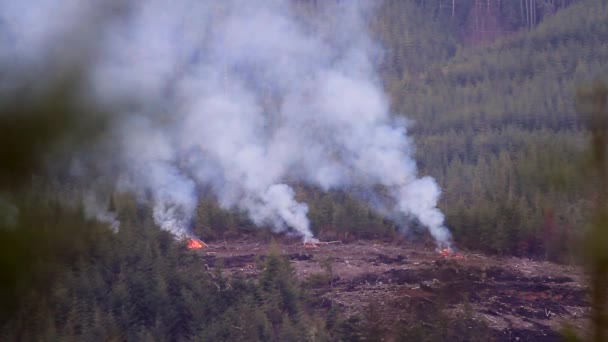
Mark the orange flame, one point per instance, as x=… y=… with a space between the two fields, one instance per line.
x=195 y=244
x=310 y=245
x=446 y=253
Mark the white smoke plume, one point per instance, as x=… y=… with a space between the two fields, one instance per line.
x=94 y=209
x=247 y=97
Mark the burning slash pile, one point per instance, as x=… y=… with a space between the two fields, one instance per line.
x=311 y=245
x=315 y=243
x=193 y=243
x=448 y=253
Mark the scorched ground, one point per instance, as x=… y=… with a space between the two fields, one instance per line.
x=515 y=299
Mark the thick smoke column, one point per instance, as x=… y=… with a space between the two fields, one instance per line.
x=247 y=97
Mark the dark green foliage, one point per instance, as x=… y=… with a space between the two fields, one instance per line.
x=496 y=124
x=211 y=222
x=41 y=120
x=593 y=107
x=44 y=239
x=39 y=237
x=141 y=284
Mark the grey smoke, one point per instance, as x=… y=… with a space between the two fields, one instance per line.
x=247 y=97
x=94 y=209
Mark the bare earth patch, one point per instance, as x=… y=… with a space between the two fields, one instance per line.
x=519 y=299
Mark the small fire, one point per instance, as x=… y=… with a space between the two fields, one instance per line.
x=311 y=242
x=195 y=244
x=447 y=253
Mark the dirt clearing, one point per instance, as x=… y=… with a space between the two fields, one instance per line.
x=518 y=299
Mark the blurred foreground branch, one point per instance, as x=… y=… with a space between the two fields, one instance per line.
x=592 y=105
x=39 y=235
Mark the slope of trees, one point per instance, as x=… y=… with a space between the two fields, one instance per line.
x=498 y=128
x=139 y=285
x=495 y=124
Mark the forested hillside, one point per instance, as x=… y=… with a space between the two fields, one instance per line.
x=488 y=88
x=494 y=120
x=497 y=125
x=79 y=281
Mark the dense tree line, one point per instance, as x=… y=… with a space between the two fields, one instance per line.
x=139 y=284
x=495 y=124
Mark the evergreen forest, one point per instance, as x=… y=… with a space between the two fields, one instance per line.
x=488 y=88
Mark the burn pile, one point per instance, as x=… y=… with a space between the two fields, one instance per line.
x=450 y=254
x=315 y=243
x=309 y=245
x=193 y=243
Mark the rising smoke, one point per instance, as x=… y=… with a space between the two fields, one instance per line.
x=243 y=97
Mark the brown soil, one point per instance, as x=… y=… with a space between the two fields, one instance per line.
x=519 y=299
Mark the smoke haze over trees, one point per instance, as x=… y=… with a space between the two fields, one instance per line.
x=473 y=110
x=242 y=99
x=340 y=119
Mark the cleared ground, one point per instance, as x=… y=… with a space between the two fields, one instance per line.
x=518 y=299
